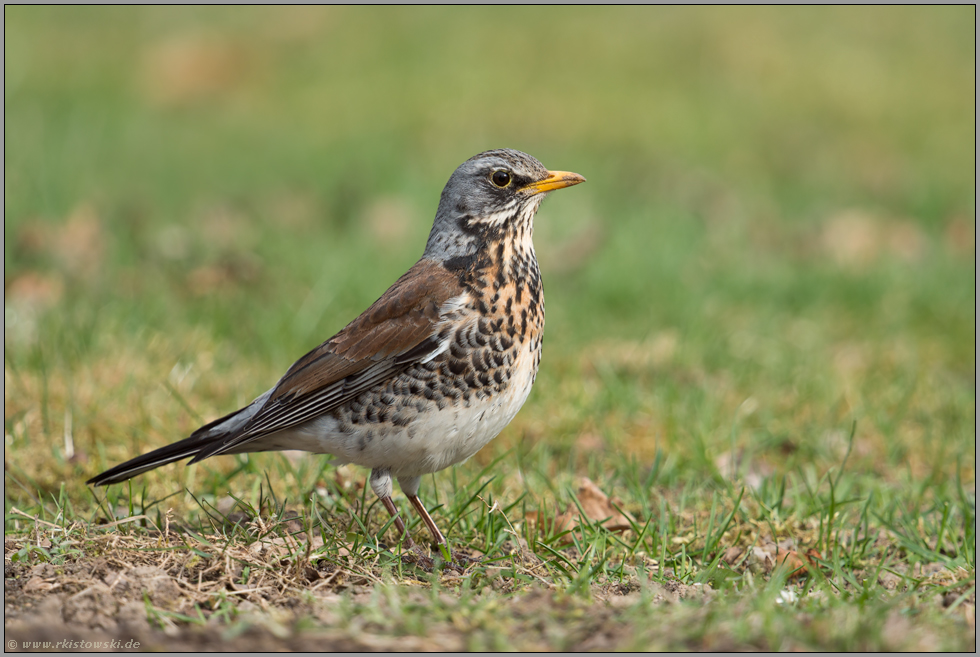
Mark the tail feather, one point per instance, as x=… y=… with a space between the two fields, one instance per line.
x=200 y=441
x=206 y=441
x=177 y=451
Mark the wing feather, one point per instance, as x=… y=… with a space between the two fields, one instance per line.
x=398 y=330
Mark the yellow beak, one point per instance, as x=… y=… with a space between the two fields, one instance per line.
x=555 y=180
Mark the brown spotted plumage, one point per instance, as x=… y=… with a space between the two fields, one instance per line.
x=434 y=369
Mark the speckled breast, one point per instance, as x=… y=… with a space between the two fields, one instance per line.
x=441 y=412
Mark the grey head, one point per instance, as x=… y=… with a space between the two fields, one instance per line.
x=488 y=196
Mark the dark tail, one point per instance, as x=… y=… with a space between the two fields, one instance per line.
x=202 y=440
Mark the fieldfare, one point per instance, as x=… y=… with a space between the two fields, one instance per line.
x=433 y=370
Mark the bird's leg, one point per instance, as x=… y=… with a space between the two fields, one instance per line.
x=437 y=536
x=459 y=561
x=399 y=525
x=381 y=485
x=410 y=486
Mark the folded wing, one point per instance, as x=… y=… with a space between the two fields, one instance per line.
x=399 y=329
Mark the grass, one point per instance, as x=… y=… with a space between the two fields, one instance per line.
x=760 y=340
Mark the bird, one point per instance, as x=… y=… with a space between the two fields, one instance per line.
x=431 y=371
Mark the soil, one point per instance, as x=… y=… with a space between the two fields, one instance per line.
x=106 y=601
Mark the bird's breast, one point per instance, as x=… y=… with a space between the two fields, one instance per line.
x=444 y=408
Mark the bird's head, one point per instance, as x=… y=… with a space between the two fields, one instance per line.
x=489 y=196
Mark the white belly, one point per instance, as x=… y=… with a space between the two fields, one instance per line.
x=454 y=434
x=435 y=440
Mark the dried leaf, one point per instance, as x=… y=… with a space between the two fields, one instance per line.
x=595 y=504
x=797 y=564
x=598 y=506
x=732 y=555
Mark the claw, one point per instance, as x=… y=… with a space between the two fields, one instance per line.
x=416 y=558
x=458 y=563
x=462 y=561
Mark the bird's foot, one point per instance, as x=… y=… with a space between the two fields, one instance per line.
x=458 y=561
x=462 y=560
x=414 y=556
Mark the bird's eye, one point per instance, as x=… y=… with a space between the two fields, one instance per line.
x=500 y=178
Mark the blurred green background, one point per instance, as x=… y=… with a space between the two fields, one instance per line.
x=776 y=237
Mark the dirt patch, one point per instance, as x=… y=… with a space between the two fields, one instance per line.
x=93 y=588
x=119 y=594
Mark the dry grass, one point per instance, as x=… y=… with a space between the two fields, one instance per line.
x=287 y=584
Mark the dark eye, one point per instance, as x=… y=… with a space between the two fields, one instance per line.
x=500 y=178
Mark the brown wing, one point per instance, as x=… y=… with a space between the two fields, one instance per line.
x=396 y=331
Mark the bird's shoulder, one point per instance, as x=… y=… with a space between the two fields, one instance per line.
x=403 y=318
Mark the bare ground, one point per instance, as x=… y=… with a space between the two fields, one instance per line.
x=161 y=592
x=168 y=598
